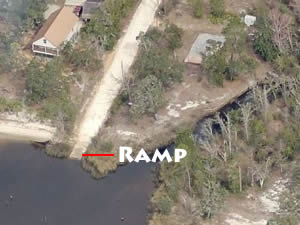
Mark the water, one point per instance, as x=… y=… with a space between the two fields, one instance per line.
x=58 y=192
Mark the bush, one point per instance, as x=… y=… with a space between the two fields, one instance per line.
x=105 y=25
x=257 y=132
x=10 y=106
x=216 y=66
x=263 y=42
x=146 y=97
x=42 y=82
x=198 y=8
x=173 y=34
x=287 y=65
x=217 y=8
x=164 y=205
x=84 y=57
x=59 y=150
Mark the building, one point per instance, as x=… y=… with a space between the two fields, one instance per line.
x=89 y=8
x=61 y=27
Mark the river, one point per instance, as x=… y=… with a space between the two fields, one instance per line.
x=36 y=190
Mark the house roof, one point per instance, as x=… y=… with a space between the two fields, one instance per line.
x=58 y=26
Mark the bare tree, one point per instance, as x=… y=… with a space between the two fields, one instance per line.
x=247 y=111
x=262 y=172
x=211 y=143
x=226 y=128
x=280 y=27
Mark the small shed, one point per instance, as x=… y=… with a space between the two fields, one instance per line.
x=202 y=46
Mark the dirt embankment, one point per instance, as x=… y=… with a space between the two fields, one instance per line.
x=25 y=127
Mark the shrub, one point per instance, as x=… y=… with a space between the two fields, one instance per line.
x=84 y=57
x=10 y=106
x=105 y=25
x=287 y=65
x=146 y=97
x=263 y=42
x=173 y=34
x=198 y=8
x=164 y=205
x=59 y=150
x=42 y=82
x=160 y=64
x=216 y=66
x=217 y=8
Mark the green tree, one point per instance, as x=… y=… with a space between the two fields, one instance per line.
x=216 y=66
x=160 y=64
x=146 y=97
x=35 y=12
x=263 y=42
x=42 y=82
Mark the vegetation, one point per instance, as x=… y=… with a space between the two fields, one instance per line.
x=10 y=106
x=230 y=60
x=59 y=150
x=105 y=27
x=83 y=57
x=263 y=43
x=98 y=166
x=198 y=8
x=47 y=87
x=289 y=210
x=23 y=14
x=154 y=70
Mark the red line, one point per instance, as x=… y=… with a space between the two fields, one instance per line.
x=98 y=154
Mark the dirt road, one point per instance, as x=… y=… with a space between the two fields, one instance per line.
x=98 y=109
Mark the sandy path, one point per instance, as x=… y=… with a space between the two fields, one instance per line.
x=98 y=110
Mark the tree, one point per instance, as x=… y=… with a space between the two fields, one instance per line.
x=41 y=83
x=216 y=66
x=247 y=111
x=236 y=37
x=263 y=41
x=35 y=12
x=160 y=64
x=280 y=25
x=146 y=97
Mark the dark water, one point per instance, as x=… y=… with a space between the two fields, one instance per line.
x=58 y=192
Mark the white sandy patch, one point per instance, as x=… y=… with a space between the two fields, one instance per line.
x=172 y=111
x=126 y=133
x=236 y=219
x=98 y=110
x=190 y=105
x=270 y=199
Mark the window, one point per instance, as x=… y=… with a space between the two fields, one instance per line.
x=45 y=41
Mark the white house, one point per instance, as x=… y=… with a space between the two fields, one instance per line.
x=61 y=27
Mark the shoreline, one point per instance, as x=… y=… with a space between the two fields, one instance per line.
x=17 y=128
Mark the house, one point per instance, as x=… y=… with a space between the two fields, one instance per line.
x=61 y=27
x=89 y=8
